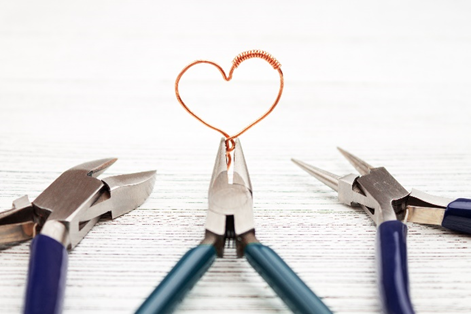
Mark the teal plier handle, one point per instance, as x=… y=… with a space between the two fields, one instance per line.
x=184 y=275
x=192 y=266
x=283 y=280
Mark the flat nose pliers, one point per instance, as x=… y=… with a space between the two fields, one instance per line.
x=230 y=219
x=389 y=205
x=60 y=217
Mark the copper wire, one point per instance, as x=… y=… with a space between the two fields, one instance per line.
x=230 y=143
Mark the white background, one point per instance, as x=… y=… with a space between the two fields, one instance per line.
x=388 y=81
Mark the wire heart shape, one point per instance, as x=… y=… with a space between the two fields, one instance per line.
x=230 y=143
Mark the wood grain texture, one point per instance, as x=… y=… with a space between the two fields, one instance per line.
x=389 y=82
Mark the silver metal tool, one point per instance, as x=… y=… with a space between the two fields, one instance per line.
x=230 y=220
x=381 y=196
x=388 y=204
x=61 y=216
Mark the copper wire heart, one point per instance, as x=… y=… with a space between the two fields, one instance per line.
x=230 y=143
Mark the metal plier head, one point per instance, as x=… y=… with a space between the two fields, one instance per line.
x=230 y=217
x=74 y=203
x=230 y=205
x=381 y=196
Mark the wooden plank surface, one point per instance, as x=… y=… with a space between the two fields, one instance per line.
x=387 y=81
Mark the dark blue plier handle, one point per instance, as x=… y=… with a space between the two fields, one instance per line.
x=60 y=217
x=392 y=270
x=47 y=276
x=389 y=205
x=457 y=216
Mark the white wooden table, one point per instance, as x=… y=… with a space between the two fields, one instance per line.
x=389 y=82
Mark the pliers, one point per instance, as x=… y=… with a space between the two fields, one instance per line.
x=60 y=217
x=389 y=205
x=230 y=219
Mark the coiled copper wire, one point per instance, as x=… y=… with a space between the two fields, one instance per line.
x=230 y=143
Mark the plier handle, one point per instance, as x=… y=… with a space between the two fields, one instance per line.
x=60 y=217
x=230 y=220
x=390 y=205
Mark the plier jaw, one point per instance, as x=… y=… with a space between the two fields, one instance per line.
x=230 y=205
x=74 y=202
x=381 y=196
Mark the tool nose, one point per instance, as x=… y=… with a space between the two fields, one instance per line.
x=360 y=165
x=328 y=178
x=96 y=167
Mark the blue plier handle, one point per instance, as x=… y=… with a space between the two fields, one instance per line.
x=389 y=205
x=393 y=277
x=60 y=217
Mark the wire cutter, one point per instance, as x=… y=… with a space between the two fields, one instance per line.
x=60 y=217
x=389 y=204
x=230 y=219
